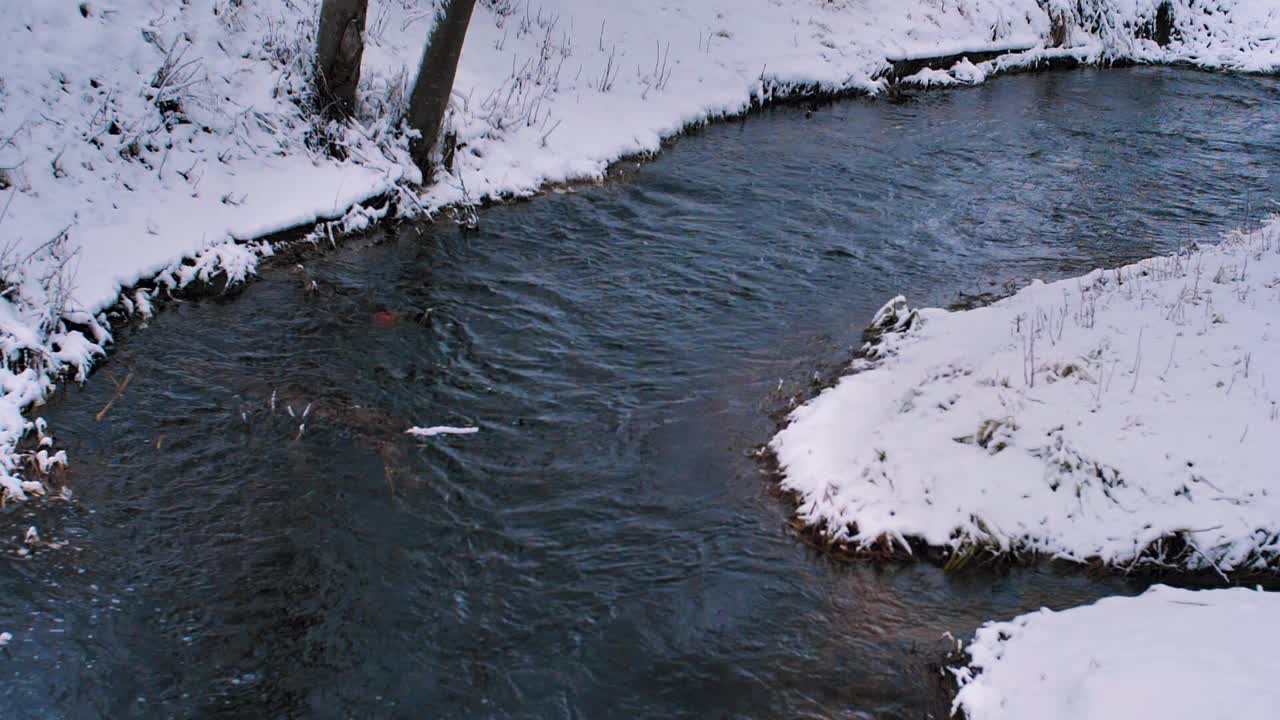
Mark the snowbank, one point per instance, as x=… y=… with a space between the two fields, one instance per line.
x=1169 y=654
x=139 y=133
x=1236 y=35
x=1128 y=415
x=1219 y=34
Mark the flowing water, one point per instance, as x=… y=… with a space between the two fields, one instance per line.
x=605 y=545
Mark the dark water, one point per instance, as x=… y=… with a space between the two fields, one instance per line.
x=604 y=547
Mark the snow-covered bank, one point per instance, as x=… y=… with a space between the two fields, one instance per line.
x=1237 y=35
x=137 y=134
x=1128 y=415
x=1169 y=654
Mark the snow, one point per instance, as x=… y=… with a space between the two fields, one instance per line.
x=1220 y=34
x=1168 y=653
x=961 y=73
x=1093 y=418
x=426 y=432
x=1238 y=35
x=154 y=134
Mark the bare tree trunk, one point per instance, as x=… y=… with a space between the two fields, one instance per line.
x=430 y=97
x=339 y=48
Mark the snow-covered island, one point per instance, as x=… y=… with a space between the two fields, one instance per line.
x=1128 y=416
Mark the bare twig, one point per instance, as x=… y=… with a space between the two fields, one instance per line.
x=120 y=388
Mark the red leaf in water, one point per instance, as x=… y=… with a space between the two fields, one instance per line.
x=386 y=318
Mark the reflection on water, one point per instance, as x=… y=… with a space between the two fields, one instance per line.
x=605 y=546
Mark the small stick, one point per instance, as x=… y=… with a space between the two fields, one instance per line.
x=1170 y=363
x=1208 y=559
x=8 y=202
x=120 y=388
x=1137 y=361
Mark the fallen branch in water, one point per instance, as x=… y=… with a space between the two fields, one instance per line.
x=120 y=388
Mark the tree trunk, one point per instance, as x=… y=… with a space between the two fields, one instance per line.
x=1164 y=24
x=430 y=97
x=339 y=47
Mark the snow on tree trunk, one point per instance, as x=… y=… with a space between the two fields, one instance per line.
x=339 y=48
x=430 y=97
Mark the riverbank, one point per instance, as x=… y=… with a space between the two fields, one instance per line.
x=1119 y=657
x=154 y=145
x=1122 y=417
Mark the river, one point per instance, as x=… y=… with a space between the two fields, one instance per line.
x=605 y=545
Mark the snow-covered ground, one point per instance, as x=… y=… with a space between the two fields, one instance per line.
x=135 y=134
x=1129 y=415
x=1169 y=654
